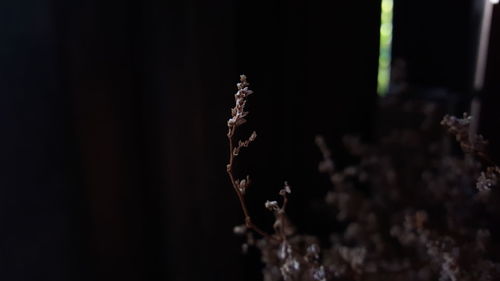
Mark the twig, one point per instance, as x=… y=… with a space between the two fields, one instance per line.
x=238 y=114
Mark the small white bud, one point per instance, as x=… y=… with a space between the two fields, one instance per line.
x=239 y=229
x=271 y=205
x=253 y=136
x=244 y=248
x=287 y=188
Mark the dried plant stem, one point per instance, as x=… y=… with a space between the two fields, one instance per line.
x=248 y=219
x=237 y=119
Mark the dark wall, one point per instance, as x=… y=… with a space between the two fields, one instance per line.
x=40 y=219
x=436 y=39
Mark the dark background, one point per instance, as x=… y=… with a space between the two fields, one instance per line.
x=113 y=121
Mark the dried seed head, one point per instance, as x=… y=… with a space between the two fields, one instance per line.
x=488 y=179
x=238 y=111
x=244 y=248
x=243 y=82
x=253 y=136
x=240 y=229
x=286 y=189
x=312 y=252
x=319 y=274
x=272 y=205
x=460 y=128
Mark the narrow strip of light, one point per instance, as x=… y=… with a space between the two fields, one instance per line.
x=384 y=64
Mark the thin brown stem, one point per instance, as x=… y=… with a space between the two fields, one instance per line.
x=248 y=219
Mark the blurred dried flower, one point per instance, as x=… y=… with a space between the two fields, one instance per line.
x=272 y=205
x=488 y=179
x=240 y=229
x=404 y=212
x=460 y=128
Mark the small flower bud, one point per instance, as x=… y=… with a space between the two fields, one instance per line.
x=287 y=188
x=253 y=136
x=244 y=248
x=272 y=205
x=239 y=229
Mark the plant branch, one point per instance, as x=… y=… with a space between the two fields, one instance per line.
x=238 y=113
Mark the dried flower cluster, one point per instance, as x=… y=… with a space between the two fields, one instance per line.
x=461 y=129
x=474 y=145
x=237 y=119
x=286 y=256
x=408 y=210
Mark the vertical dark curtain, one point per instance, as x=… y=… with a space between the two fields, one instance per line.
x=40 y=211
x=113 y=116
